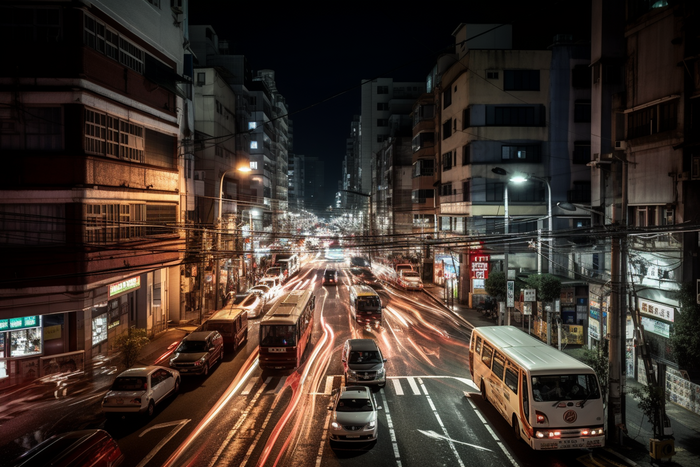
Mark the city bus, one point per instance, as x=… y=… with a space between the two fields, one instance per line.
x=551 y=400
x=232 y=324
x=285 y=330
x=365 y=305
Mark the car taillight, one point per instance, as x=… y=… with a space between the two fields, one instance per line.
x=114 y=454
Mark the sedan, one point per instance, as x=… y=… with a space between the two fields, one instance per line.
x=263 y=291
x=139 y=390
x=410 y=280
x=353 y=415
x=252 y=303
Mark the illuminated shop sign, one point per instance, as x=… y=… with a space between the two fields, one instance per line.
x=124 y=286
x=480 y=266
x=19 y=323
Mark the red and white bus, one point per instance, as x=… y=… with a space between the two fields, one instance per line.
x=285 y=331
x=551 y=400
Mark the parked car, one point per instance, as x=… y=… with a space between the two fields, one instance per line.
x=410 y=280
x=263 y=291
x=274 y=272
x=139 y=390
x=353 y=415
x=252 y=303
x=363 y=362
x=330 y=276
x=84 y=448
x=198 y=352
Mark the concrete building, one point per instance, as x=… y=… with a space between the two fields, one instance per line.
x=92 y=112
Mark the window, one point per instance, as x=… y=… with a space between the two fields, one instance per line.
x=447 y=161
x=423 y=112
x=382 y=89
x=99 y=37
x=43 y=128
x=253 y=145
x=252 y=125
x=520 y=115
x=446 y=189
x=494 y=191
x=487 y=355
x=511 y=378
x=382 y=122
x=422 y=141
x=581 y=193
x=33 y=224
x=155 y=3
x=521 y=153
x=420 y=196
x=582 y=152
x=201 y=79
x=582 y=111
x=447 y=129
x=422 y=220
x=382 y=106
x=32 y=25
x=253 y=165
x=521 y=80
x=653 y=119
x=423 y=168
x=446 y=98
x=466 y=191
x=466 y=154
x=382 y=138
x=491 y=75
x=466 y=118
x=111 y=136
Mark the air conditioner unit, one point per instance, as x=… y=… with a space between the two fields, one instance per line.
x=621 y=145
x=661 y=448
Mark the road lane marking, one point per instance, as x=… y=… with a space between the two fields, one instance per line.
x=493 y=434
x=319 y=456
x=414 y=386
x=442 y=425
x=397 y=387
x=179 y=424
x=392 y=433
x=280 y=385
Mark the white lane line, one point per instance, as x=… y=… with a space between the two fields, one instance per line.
x=279 y=386
x=392 y=433
x=250 y=385
x=397 y=387
x=260 y=432
x=414 y=386
x=442 y=425
x=241 y=419
x=495 y=437
x=319 y=456
x=329 y=385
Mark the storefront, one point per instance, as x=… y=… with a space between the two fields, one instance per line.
x=111 y=318
x=21 y=345
x=478 y=273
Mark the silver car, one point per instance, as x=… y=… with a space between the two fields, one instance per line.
x=354 y=415
x=139 y=390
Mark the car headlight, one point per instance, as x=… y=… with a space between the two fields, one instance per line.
x=352 y=373
x=372 y=424
x=381 y=372
x=335 y=425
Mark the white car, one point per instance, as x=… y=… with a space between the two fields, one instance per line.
x=139 y=390
x=354 y=416
x=273 y=284
x=410 y=280
x=251 y=302
x=262 y=290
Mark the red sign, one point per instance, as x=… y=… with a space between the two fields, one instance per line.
x=479 y=266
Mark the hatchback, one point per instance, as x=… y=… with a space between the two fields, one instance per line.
x=363 y=362
x=139 y=390
x=353 y=415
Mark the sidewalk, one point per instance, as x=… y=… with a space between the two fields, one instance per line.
x=634 y=450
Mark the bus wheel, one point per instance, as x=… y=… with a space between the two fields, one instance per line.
x=483 y=391
x=516 y=428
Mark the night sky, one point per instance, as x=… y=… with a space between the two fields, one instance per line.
x=321 y=54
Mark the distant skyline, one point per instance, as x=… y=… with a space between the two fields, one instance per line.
x=320 y=58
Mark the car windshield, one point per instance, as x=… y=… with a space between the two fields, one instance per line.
x=564 y=387
x=364 y=357
x=354 y=405
x=129 y=383
x=192 y=346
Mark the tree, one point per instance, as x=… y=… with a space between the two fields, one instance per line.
x=651 y=400
x=685 y=333
x=130 y=343
x=548 y=287
x=495 y=285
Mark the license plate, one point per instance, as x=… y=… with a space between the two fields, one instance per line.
x=353 y=436
x=277 y=350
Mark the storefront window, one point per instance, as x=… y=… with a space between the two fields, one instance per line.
x=99 y=329
x=2 y=345
x=25 y=342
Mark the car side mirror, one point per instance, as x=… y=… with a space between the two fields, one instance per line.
x=384 y=360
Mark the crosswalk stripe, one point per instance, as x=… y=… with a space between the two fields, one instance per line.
x=277 y=388
x=397 y=387
x=414 y=386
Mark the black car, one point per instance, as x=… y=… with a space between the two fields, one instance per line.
x=198 y=352
x=330 y=277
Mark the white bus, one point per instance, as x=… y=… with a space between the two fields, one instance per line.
x=551 y=400
x=365 y=305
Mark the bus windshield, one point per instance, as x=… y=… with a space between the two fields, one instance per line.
x=564 y=387
x=367 y=304
x=278 y=335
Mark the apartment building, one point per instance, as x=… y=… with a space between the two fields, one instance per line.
x=91 y=111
